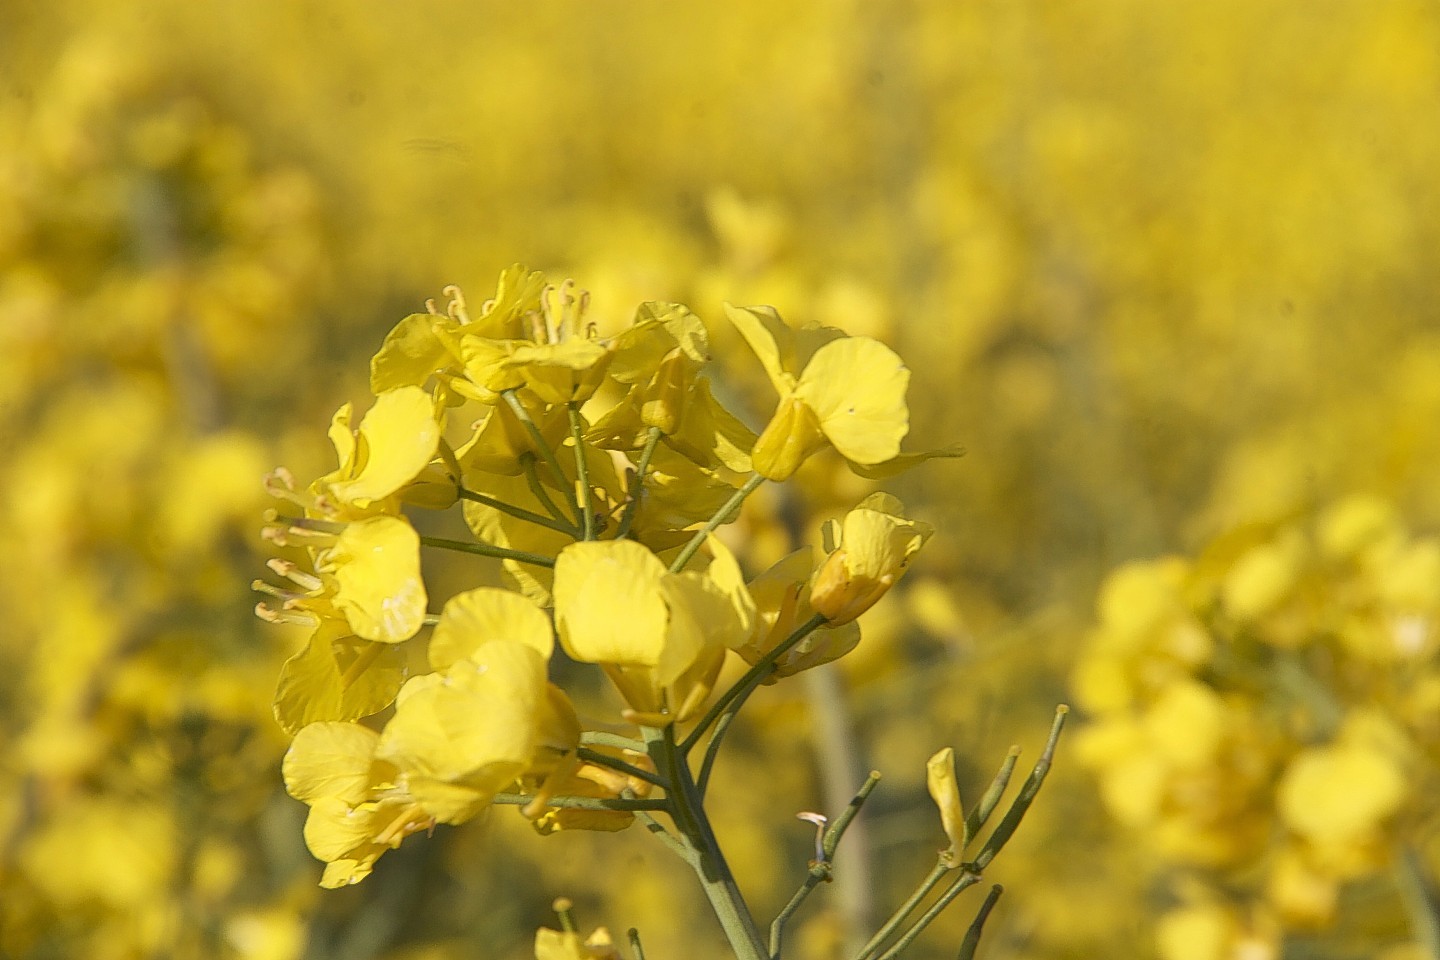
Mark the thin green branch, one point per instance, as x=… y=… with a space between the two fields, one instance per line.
x=604 y=738
x=489 y=550
x=519 y=513
x=972 y=936
x=537 y=490
x=1006 y=828
x=582 y=472
x=635 y=947
x=902 y=913
x=750 y=680
x=831 y=841
x=712 y=749
x=819 y=873
x=720 y=517
x=543 y=447
x=676 y=845
x=582 y=803
x=688 y=811
x=975 y=821
x=637 y=483
x=820 y=870
x=966 y=880
x=615 y=763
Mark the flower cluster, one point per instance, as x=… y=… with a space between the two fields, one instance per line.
x=595 y=470
x=1266 y=715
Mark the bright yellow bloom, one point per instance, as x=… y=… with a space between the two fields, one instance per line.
x=375 y=568
x=872 y=550
x=849 y=392
x=661 y=637
x=461 y=736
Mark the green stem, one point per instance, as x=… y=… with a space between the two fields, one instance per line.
x=972 y=936
x=635 y=947
x=712 y=749
x=688 y=812
x=537 y=490
x=487 y=550
x=637 y=485
x=902 y=913
x=819 y=873
x=519 y=513
x=582 y=803
x=966 y=881
x=975 y=822
x=614 y=763
x=820 y=870
x=720 y=517
x=606 y=739
x=582 y=471
x=1006 y=828
x=541 y=445
x=751 y=679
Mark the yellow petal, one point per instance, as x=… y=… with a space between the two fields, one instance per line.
x=770 y=338
x=398 y=437
x=330 y=759
x=376 y=565
x=856 y=386
x=940 y=778
x=335 y=828
x=410 y=353
x=462 y=736
x=792 y=435
x=337 y=678
x=483 y=615
x=608 y=607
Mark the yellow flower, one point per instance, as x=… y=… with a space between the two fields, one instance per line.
x=460 y=736
x=872 y=550
x=421 y=345
x=375 y=567
x=849 y=392
x=358 y=810
x=1339 y=795
x=661 y=637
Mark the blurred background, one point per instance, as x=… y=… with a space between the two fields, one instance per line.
x=1168 y=271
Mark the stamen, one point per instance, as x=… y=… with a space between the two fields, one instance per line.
x=456 y=306
x=292 y=572
x=431 y=308
x=820 y=821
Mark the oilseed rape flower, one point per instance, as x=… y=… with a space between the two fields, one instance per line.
x=593 y=473
x=1261 y=713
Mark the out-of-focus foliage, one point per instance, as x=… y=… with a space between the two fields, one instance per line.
x=1164 y=269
